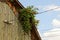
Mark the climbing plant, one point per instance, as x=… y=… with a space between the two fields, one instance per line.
x=27 y=18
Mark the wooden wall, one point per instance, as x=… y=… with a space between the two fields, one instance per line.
x=12 y=30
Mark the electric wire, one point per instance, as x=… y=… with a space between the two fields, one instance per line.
x=49 y=10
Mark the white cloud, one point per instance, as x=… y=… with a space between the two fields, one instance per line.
x=48 y=7
x=56 y=23
x=53 y=34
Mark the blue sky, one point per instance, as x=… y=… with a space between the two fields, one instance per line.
x=49 y=21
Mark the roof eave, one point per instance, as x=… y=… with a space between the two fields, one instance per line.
x=20 y=4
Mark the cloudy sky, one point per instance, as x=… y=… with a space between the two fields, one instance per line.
x=49 y=25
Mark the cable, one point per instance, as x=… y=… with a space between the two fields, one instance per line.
x=49 y=10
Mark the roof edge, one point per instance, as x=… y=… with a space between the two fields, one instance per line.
x=19 y=4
